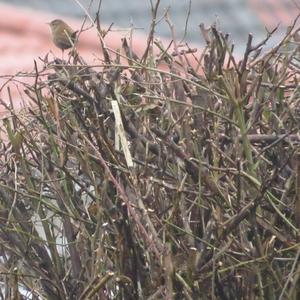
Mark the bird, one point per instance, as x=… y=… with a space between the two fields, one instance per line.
x=63 y=35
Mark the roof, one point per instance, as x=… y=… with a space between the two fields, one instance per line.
x=25 y=36
x=237 y=17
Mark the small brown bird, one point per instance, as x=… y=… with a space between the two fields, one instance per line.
x=63 y=35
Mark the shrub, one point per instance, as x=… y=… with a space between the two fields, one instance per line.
x=129 y=180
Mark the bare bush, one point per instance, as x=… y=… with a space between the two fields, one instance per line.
x=127 y=180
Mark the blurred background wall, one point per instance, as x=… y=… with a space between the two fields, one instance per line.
x=25 y=36
x=237 y=17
